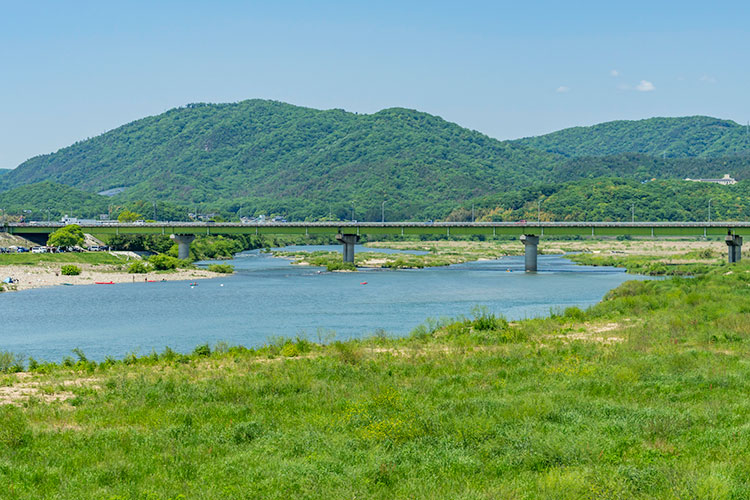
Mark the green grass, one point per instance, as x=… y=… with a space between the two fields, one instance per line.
x=685 y=264
x=642 y=396
x=31 y=259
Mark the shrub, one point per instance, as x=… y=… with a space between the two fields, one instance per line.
x=10 y=363
x=290 y=350
x=138 y=267
x=485 y=320
x=163 y=262
x=202 y=350
x=70 y=270
x=221 y=268
x=574 y=313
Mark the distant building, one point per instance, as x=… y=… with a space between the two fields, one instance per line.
x=724 y=181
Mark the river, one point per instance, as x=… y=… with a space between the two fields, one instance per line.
x=268 y=297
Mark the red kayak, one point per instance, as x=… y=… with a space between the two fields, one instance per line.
x=104 y=282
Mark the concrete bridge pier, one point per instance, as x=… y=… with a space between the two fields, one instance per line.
x=734 y=245
x=348 y=240
x=183 y=244
x=530 y=243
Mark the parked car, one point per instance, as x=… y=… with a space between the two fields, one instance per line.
x=38 y=249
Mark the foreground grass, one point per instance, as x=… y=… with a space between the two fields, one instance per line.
x=31 y=259
x=642 y=396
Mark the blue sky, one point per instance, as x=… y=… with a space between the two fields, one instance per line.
x=72 y=70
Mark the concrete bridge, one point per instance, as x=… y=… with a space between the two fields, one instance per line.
x=348 y=233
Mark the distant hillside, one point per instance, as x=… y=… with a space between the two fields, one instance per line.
x=57 y=198
x=644 y=167
x=267 y=157
x=263 y=150
x=693 y=136
x=611 y=199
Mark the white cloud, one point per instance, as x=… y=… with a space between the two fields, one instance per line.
x=645 y=86
x=614 y=72
x=562 y=89
x=708 y=79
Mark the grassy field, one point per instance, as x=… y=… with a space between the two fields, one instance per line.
x=32 y=259
x=644 y=395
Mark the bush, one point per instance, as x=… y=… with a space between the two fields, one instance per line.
x=221 y=268
x=10 y=362
x=163 y=262
x=202 y=350
x=70 y=270
x=485 y=320
x=138 y=267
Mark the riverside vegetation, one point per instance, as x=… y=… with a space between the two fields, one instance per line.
x=643 y=395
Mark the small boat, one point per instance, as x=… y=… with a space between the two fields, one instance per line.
x=104 y=282
x=67 y=284
x=363 y=283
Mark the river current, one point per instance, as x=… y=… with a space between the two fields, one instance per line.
x=269 y=297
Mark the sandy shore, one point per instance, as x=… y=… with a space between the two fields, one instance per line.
x=49 y=275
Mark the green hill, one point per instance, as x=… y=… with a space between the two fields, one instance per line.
x=265 y=153
x=267 y=157
x=57 y=198
x=692 y=136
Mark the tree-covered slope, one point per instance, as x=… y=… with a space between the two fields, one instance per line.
x=692 y=136
x=271 y=150
x=57 y=198
x=613 y=199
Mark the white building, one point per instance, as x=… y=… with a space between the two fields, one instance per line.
x=724 y=181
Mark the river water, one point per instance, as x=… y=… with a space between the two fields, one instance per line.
x=268 y=297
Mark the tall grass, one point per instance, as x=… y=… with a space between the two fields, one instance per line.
x=473 y=407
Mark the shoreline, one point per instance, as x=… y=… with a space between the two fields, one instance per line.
x=32 y=277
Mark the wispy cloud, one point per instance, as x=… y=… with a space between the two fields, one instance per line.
x=645 y=86
x=562 y=89
x=614 y=73
x=708 y=79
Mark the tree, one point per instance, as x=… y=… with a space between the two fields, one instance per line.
x=128 y=216
x=68 y=236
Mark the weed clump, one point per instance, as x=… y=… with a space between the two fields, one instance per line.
x=70 y=270
x=138 y=267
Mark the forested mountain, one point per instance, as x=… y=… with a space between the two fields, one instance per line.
x=608 y=199
x=57 y=198
x=684 y=137
x=266 y=157
x=644 y=167
x=263 y=150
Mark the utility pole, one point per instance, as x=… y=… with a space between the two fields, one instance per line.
x=155 y=211
x=632 y=213
x=539 y=210
x=472 y=212
x=382 y=212
x=709 y=209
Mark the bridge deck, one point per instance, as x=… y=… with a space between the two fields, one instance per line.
x=655 y=229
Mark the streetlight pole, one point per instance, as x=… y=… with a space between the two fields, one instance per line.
x=709 y=209
x=382 y=212
x=539 y=210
